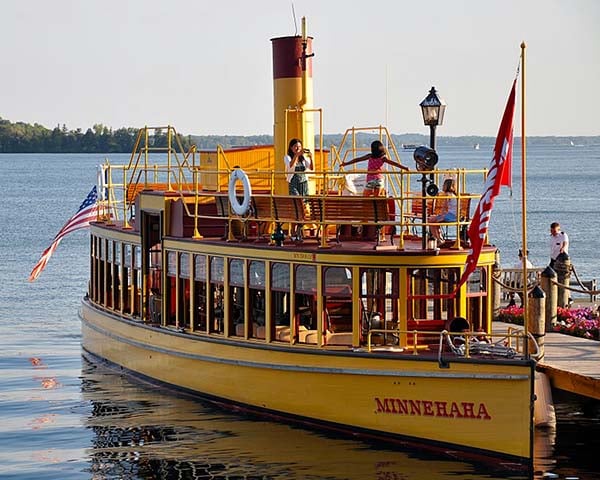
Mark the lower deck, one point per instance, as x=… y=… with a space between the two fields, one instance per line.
x=356 y=294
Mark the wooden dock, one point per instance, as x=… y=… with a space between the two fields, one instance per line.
x=571 y=363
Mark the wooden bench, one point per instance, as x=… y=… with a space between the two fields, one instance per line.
x=277 y=209
x=343 y=210
x=513 y=278
x=415 y=214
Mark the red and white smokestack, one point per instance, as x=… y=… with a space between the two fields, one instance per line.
x=292 y=96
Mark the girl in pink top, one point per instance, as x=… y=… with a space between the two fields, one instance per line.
x=377 y=158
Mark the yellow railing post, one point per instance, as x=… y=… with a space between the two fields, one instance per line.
x=126 y=225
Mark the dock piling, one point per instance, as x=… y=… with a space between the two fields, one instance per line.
x=548 y=282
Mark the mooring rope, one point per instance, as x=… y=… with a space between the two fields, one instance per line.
x=496 y=277
x=509 y=288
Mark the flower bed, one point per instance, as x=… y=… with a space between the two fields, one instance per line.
x=579 y=322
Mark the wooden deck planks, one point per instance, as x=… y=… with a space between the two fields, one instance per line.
x=571 y=363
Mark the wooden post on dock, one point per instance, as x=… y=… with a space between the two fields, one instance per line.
x=496 y=290
x=536 y=319
x=551 y=291
x=562 y=266
x=496 y=287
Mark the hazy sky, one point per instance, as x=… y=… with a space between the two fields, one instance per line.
x=205 y=66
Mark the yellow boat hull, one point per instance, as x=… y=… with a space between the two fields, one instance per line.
x=479 y=406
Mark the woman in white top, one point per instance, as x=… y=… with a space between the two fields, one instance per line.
x=297 y=162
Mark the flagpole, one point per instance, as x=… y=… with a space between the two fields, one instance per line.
x=524 y=189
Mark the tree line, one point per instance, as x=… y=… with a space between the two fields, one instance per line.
x=20 y=137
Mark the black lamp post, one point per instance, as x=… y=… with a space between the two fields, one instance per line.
x=433 y=109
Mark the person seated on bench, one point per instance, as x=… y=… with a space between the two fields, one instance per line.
x=377 y=158
x=297 y=162
x=515 y=284
x=447 y=211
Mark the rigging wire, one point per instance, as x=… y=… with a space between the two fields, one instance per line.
x=517 y=235
x=295 y=22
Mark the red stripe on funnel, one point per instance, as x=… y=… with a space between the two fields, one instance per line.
x=287 y=55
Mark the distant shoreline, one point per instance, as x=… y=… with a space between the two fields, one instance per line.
x=21 y=137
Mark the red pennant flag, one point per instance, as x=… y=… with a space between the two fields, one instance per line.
x=499 y=174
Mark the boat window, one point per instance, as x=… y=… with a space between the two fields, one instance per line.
x=115 y=277
x=257 y=274
x=306 y=279
x=379 y=292
x=102 y=272
x=117 y=253
x=183 y=291
x=199 y=293
x=306 y=303
x=171 y=264
x=337 y=303
x=280 y=301
x=184 y=265
x=428 y=307
x=127 y=278
x=136 y=284
x=200 y=267
x=94 y=273
x=137 y=257
x=256 y=280
x=155 y=283
x=236 y=297
x=216 y=269
x=236 y=272
x=216 y=295
x=477 y=293
x=171 y=292
x=109 y=251
x=280 y=277
x=128 y=250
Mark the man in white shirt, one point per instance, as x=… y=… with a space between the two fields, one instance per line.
x=559 y=242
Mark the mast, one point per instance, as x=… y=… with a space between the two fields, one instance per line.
x=524 y=189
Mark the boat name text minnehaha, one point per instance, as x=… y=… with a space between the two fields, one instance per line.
x=432 y=408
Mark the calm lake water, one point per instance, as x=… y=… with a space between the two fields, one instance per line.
x=62 y=417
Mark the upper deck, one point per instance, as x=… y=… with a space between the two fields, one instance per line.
x=193 y=189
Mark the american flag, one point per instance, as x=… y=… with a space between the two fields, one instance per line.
x=86 y=213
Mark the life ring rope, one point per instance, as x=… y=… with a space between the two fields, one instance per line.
x=237 y=207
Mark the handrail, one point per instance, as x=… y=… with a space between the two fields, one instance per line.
x=470 y=342
x=175 y=170
x=133 y=174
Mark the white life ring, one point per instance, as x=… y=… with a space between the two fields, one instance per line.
x=237 y=207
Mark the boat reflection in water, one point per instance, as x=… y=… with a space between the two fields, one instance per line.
x=140 y=431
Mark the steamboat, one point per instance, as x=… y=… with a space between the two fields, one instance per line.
x=358 y=324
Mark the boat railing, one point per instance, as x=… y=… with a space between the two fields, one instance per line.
x=349 y=147
x=152 y=145
x=510 y=344
x=402 y=216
